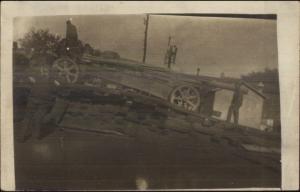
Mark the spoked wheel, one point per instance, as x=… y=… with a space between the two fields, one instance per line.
x=186 y=97
x=66 y=69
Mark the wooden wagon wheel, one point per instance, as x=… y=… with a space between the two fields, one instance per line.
x=185 y=96
x=67 y=69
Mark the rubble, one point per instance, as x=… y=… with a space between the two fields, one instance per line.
x=136 y=114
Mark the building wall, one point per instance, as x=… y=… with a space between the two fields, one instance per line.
x=271 y=109
x=222 y=102
x=250 y=112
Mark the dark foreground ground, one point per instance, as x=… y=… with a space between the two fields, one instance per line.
x=150 y=157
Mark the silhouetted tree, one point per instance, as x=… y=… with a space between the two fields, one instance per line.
x=269 y=77
x=40 y=41
x=88 y=49
x=266 y=76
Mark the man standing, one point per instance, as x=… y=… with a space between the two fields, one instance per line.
x=73 y=46
x=71 y=34
x=236 y=103
x=170 y=57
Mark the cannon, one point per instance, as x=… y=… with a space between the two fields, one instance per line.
x=182 y=90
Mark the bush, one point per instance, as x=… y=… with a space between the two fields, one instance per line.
x=40 y=41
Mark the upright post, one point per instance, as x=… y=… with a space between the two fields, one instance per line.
x=146 y=21
x=169 y=53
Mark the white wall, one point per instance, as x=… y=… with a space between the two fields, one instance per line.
x=222 y=102
x=250 y=112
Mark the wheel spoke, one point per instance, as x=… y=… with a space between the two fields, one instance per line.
x=58 y=67
x=68 y=78
x=70 y=67
x=191 y=97
x=69 y=73
x=190 y=103
x=71 y=70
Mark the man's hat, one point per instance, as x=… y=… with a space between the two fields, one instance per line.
x=69 y=21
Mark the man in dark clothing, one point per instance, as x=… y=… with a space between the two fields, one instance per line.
x=173 y=51
x=236 y=103
x=170 y=56
x=71 y=34
x=73 y=46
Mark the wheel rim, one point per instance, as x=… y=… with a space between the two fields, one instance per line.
x=186 y=97
x=67 y=69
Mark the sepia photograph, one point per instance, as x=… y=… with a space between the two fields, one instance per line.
x=149 y=96
x=146 y=101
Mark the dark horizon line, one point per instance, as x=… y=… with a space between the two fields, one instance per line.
x=230 y=15
x=226 y=15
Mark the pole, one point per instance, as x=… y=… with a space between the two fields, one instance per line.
x=169 y=52
x=145 y=39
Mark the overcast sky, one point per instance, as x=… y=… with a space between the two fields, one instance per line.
x=231 y=45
